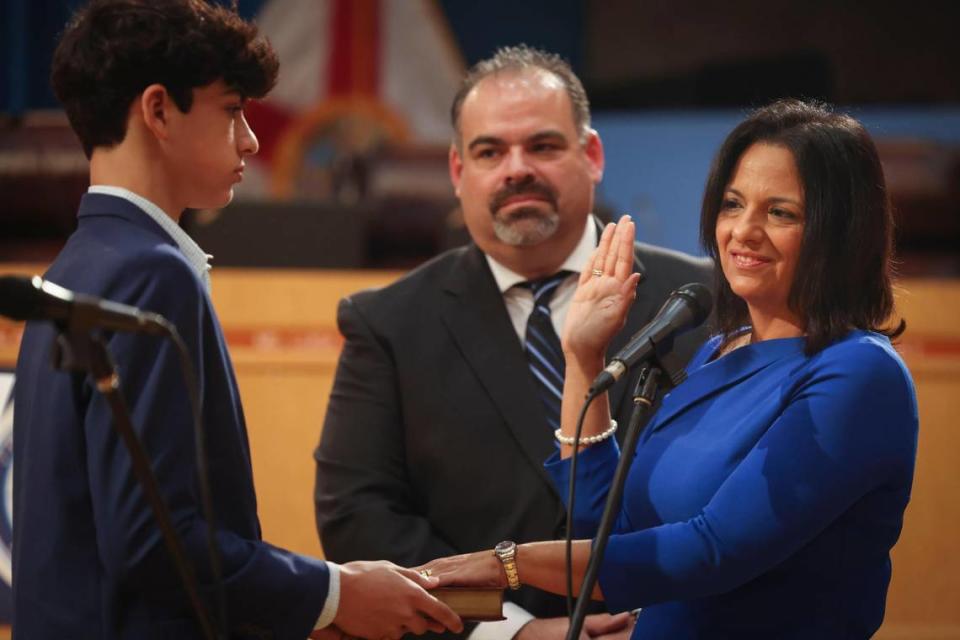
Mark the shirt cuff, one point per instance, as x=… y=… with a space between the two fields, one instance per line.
x=516 y=616
x=332 y=603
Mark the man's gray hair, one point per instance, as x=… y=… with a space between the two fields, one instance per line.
x=524 y=58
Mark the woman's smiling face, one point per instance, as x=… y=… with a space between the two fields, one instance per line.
x=760 y=228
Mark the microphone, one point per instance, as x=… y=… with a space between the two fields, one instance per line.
x=23 y=298
x=685 y=309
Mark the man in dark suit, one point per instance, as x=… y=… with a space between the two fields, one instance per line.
x=441 y=414
x=155 y=91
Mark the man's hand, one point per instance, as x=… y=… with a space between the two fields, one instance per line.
x=600 y=625
x=616 y=635
x=547 y=629
x=381 y=600
x=327 y=633
x=604 y=626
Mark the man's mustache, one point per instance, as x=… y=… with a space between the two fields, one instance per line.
x=529 y=186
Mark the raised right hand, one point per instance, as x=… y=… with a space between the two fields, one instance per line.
x=605 y=291
x=381 y=600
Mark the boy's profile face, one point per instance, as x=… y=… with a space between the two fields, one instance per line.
x=207 y=145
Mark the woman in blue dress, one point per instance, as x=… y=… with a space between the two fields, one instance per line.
x=766 y=493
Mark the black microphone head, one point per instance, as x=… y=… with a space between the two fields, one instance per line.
x=21 y=297
x=700 y=298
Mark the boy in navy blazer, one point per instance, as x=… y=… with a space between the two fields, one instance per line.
x=155 y=91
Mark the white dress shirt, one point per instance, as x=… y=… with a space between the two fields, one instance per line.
x=519 y=300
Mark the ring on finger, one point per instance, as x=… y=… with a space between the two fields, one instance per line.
x=597 y=273
x=426 y=573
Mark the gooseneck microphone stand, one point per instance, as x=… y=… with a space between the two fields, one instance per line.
x=663 y=370
x=77 y=350
x=644 y=396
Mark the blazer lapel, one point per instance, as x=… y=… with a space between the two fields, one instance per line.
x=472 y=308
x=725 y=372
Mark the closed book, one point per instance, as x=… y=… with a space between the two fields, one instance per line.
x=472 y=604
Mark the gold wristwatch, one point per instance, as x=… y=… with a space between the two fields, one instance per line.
x=506 y=552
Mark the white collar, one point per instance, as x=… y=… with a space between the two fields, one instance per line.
x=575 y=262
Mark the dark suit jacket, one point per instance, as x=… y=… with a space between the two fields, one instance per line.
x=435 y=437
x=88 y=559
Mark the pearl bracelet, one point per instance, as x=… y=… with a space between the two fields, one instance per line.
x=600 y=437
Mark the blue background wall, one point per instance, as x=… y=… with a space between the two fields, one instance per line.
x=657 y=162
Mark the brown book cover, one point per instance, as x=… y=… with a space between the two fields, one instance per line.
x=472 y=605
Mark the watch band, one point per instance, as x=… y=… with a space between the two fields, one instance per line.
x=506 y=552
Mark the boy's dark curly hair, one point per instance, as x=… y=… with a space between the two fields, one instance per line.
x=111 y=50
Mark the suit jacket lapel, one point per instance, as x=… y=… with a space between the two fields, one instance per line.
x=472 y=308
x=473 y=311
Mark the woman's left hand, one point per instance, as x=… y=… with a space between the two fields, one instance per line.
x=480 y=569
x=606 y=289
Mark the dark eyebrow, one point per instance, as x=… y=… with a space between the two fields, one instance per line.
x=482 y=140
x=549 y=133
x=786 y=200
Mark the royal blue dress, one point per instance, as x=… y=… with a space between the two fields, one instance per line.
x=764 y=497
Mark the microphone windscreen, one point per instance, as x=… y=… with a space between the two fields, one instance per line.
x=700 y=297
x=21 y=297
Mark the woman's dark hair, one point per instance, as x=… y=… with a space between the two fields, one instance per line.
x=111 y=50
x=843 y=279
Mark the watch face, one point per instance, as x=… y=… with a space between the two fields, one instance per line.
x=503 y=547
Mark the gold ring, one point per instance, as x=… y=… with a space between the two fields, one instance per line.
x=597 y=273
x=426 y=573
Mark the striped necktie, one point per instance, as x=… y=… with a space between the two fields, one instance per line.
x=542 y=345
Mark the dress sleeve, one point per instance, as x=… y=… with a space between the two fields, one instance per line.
x=595 y=469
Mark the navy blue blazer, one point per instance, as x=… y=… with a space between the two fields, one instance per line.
x=88 y=558
x=764 y=497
